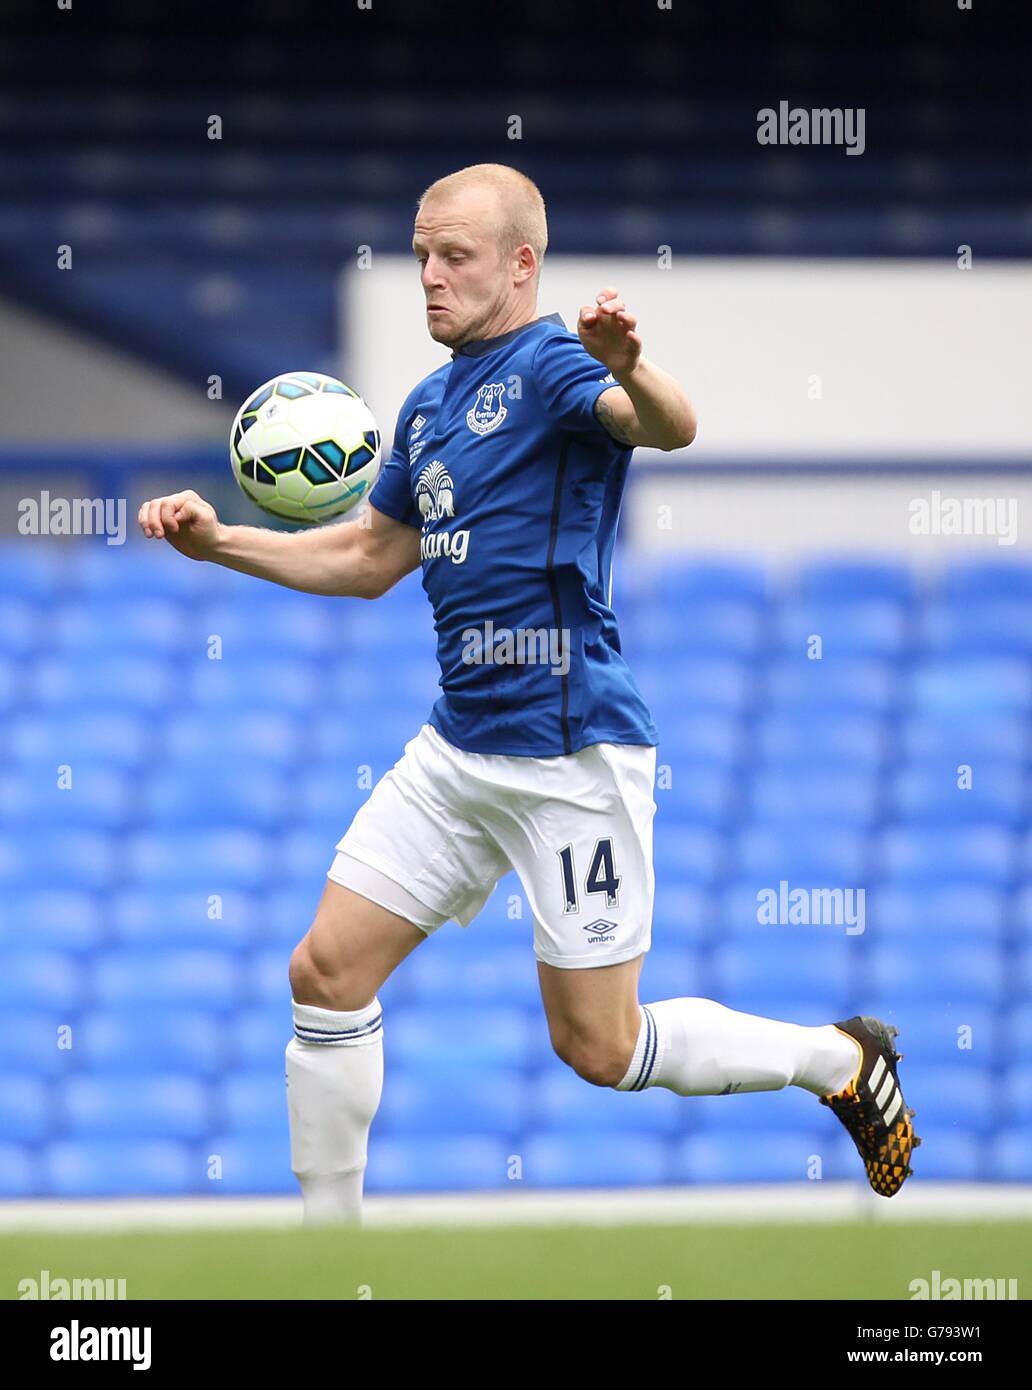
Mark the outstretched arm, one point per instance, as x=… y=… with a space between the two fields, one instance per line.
x=647 y=406
x=358 y=559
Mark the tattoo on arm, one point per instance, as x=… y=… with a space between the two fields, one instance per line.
x=606 y=417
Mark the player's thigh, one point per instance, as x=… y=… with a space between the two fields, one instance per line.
x=350 y=950
x=592 y=1013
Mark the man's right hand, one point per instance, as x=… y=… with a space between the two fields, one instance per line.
x=185 y=520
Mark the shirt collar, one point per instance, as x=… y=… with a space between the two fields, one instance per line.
x=481 y=346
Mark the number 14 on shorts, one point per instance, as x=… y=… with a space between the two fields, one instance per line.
x=600 y=878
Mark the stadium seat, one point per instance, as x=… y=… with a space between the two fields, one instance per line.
x=110 y=680
x=695 y=685
x=150 y=625
x=714 y=627
x=984 y=686
x=441 y=1038
x=963 y=738
x=193 y=978
x=58 y=919
x=922 y=970
x=783 y=972
x=858 y=628
x=826 y=579
x=140 y=1037
x=596 y=1158
x=1010 y=1156
x=834 y=685
x=80 y=736
x=249 y=1163
x=697 y=793
x=689 y=854
x=981 y=580
x=460 y=1163
x=684 y=580
x=167 y=918
x=833 y=796
x=251 y=1102
x=80 y=795
x=463 y=971
x=774 y=1156
x=27 y=1110
x=560 y=1102
x=946 y=791
x=963 y=1096
x=148 y=915
x=748 y=1113
x=832 y=855
x=195 y=793
x=949 y=1153
x=119 y=1168
x=702 y=736
x=978 y=855
x=683 y=915
x=135 y=1105
x=672 y=971
x=994 y=628
x=469 y=1101
x=927 y=912
x=798 y=740
x=215 y=860
x=22 y=628
x=40 y=979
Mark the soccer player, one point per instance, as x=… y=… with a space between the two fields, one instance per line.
x=504 y=484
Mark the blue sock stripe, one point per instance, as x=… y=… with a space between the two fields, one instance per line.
x=307 y=1034
x=649 y=1059
x=655 y=1048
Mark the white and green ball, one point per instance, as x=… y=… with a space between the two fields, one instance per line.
x=305 y=447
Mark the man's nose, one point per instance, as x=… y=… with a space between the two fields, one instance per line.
x=431 y=275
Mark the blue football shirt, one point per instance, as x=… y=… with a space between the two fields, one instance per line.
x=516 y=487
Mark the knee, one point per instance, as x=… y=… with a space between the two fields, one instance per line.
x=602 y=1063
x=328 y=984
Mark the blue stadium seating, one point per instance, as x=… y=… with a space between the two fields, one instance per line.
x=148 y=910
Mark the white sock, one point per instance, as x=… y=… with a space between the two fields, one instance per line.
x=698 y=1047
x=334 y=1083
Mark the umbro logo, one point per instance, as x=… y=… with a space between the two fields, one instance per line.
x=601 y=930
x=418 y=423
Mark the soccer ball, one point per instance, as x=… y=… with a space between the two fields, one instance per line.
x=305 y=447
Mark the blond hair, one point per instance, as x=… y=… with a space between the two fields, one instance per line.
x=521 y=208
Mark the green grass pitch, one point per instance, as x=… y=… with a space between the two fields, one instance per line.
x=773 y=1261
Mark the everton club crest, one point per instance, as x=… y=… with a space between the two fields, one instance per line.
x=488 y=412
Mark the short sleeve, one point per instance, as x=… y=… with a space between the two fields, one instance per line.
x=392 y=492
x=569 y=381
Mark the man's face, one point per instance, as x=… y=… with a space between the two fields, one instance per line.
x=468 y=287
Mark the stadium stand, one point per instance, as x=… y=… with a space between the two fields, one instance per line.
x=147 y=909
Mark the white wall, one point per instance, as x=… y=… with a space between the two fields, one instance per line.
x=916 y=359
x=783 y=514
x=919 y=362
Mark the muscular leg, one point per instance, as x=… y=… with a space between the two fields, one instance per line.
x=334 y=1062
x=593 y=1017
x=695 y=1047
x=349 y=951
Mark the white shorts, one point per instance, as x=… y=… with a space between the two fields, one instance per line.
x=441 y=828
